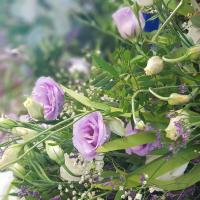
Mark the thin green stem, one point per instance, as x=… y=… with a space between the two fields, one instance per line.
x=133 y=103
x=175 y=60
x=30 y=149
x=167 y=21
x=158 y=96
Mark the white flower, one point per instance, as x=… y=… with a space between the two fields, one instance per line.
x=154 y=66
x=171 y=130
x=6 y=179
x=138 y=196
x=79 y=65
x=80 y=168
x=145 y=2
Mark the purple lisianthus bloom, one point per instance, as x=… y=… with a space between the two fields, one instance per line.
x=144 y=149
x=89 y=133
x=50 y=96
x=127 y=22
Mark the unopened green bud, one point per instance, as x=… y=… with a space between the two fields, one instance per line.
x=55 y=152
x=25 y=133
x=176 y=99
x=35 y=110
x=194 y=53
x=7 y=123
x=154 y=66
x=116 y=125
x=140 y=125
x=10 y=154
x=18 y=170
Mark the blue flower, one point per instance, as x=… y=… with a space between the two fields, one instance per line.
x=150 y=25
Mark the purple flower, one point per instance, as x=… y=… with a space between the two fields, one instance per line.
x=50 y=96
x=127 y=22
x=56 y=198
x=89 y=133
x=142 y=150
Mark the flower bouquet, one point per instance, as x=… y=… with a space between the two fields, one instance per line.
x=131 y=131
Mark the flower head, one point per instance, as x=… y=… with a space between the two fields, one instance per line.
x=127 y=22
x=144 y=149
x=175 y=128
x=50 y=96
x=89 y=133
x=154 y=66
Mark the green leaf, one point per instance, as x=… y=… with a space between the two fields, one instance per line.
x=127 y=142
x=85 y=101
x=185 y=9
x=163 y=165
x=102 y=64
x=196 y=20
x=180 y=183
x=93 y=104
x=118 y=195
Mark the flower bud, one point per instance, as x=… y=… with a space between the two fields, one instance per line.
x=127 y=23
x=34 y=109
x=18 y=170
x=171 y=130
x=55 y=152
x=144 y=2
x=7 y=123
x=194 y=53
x=75 y=169
x=176 y=99
x=25 y=133
x=10 y=154
x=115 y=125
x=140 y=125
x=154 y=66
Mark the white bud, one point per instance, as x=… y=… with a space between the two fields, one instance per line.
x=115 y=125
x=55 y=152
x=18 y=169
x=77 y=169
x=144 y=2
x=35 y=110
x=10 y=154
x=176 y=99
x=25 y=133
x=7 y=123
x=154 y=66
x=140 y=125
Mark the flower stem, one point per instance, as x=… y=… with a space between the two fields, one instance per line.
x=133 y=103
x=167 y=21
x=175 y=60
x=158 y=96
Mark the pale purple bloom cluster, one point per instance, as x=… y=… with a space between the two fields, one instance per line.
x=89 y=133
x=56 y=198
x=50 y=96
x=182 y=89
x=181 y=131
x=142 y=150
x=25 y=192
x=127 y=23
